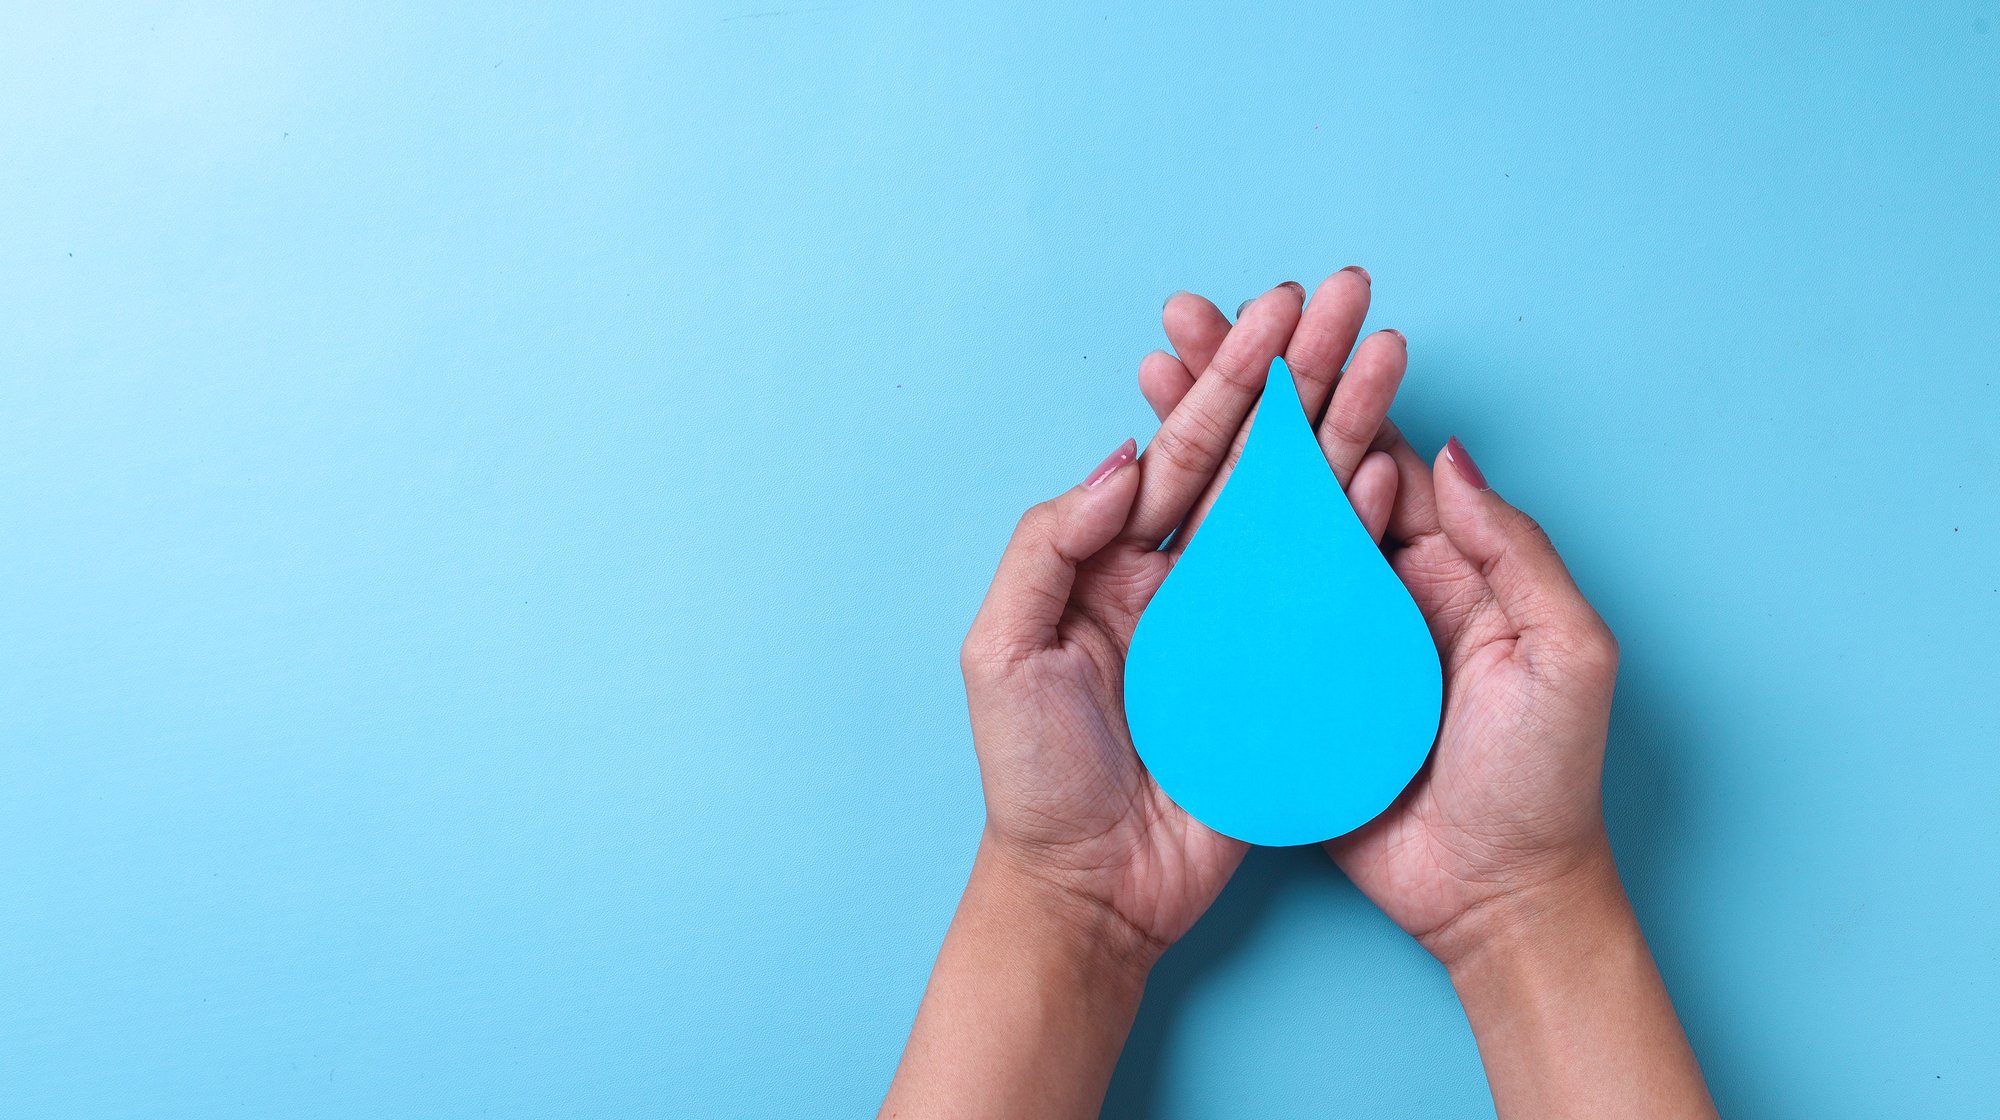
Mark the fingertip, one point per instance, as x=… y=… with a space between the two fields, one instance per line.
x=1511 y=550
x=1287 y=300
x=1461 y=462
x=1350 y=284
x=1097 y=508
x=1163 y=381
x=1123 y=457
x=1195 y=329
x=1383 y=354
x=1456 y=495
x=1482 y=523
x=1187 y=311
x=1324 y=338
x=1457 y=502
x=1372 y=492
x=1340 y=281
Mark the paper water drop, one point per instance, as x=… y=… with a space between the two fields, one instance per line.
x=1282 y=686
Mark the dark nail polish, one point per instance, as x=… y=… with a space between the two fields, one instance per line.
x=1295 y=286
x=1361 y=272
x=1462 y=459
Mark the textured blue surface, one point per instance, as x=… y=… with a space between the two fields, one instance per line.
x=1282 y=685
x=490 y=497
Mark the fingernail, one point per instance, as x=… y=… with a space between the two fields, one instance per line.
x=1462 y=459
x=1244 y=304
x=1398 y=334
x=1361 y=272
x=1172 y=296
x=1127 y=451
x=1295 y=286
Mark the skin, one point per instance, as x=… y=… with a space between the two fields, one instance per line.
x=1495 y=859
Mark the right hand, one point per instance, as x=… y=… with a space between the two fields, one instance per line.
x=1495 y=857
x=1506 y=821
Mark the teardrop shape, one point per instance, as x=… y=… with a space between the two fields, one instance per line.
x=1282 y=686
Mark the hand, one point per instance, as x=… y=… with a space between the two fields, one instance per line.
x=1508 y=805
x=1086 y=871
x=1495 y=857
x=1506 y=823
x=1067 y=800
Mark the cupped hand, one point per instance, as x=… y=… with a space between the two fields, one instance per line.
x=1069 y=806
x=1506 y=817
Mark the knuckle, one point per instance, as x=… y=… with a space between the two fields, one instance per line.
x=1232 y=371
x=1232 y=457
x=1591 y=649
x=1604 y=648
x=990 y=651
x=1310 y=357
x=1347 y=426
x=975 y=654
x=1533 y=530
x=1037 y=523
x=1180 y=451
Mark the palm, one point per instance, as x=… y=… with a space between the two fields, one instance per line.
x=1045 y=660
x=1424 y=860
x=1522 y=729
x=1076 y=791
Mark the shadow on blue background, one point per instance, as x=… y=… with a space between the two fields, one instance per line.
x=490 y=495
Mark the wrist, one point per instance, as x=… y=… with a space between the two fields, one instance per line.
x=1578 y=899
x=1029 y=1004
x=1568 y=1008
x=1057 y=920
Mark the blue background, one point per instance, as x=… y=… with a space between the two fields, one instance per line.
x=490 y=496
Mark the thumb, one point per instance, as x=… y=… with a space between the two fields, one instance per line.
x=1517 y=559
x=1031 y=589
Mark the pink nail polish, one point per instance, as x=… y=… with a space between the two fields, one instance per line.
x=1127 y=451
x=1462 y=459
x=1361 y=272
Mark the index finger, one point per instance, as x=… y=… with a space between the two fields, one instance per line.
x=1191 y=445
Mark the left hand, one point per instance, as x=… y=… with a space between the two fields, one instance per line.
x=1068 y=804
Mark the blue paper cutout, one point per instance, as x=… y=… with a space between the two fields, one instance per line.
x=1282 y=686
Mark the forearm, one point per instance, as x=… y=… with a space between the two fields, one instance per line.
x=1569 y=1011
x=1027 y=1008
